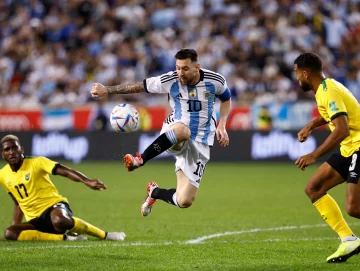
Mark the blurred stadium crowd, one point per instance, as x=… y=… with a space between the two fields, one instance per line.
x=51 y=52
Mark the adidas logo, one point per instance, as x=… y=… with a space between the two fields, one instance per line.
x=178 y=96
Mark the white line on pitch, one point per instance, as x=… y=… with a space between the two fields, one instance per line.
x=198 y=240
x=207 y=237
x=135 y=244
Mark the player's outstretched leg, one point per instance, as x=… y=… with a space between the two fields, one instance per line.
x=178 y=134
x=345 y=251
x=183 y=196
x=83 y=227
x=27 y=232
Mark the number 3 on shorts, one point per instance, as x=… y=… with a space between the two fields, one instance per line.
x=353 y=162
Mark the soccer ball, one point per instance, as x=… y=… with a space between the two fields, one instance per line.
x=124 y=118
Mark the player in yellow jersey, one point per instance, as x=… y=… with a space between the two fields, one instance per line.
x=341 y=111
x=47 y=213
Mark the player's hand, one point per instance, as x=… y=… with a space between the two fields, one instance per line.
x=95 y=184
x=222 y=136
x=304 y=134
x=98 y=91
x=305 y=161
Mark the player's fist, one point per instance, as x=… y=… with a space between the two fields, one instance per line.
x=98 y=91
x=304 y=134
x=95 y=184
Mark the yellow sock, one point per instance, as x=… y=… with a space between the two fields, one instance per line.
x=82 y=227
x=33 y=235
x=332 y=215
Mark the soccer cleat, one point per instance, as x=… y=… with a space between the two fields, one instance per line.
x=133 y=162
x=75 y=237
x=149 y=201
x=115 y=236
x=345 y=251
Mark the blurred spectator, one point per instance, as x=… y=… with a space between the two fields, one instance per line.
x=52 y=51
x=264 y=122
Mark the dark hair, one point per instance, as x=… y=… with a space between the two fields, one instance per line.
x=187 y=53
x=310 y=61
x=10 y=137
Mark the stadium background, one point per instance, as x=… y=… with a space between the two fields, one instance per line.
x=51 y=52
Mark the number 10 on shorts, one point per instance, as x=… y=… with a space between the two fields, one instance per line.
x=200 y=168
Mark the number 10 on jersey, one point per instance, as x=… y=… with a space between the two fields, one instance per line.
x=194 y=106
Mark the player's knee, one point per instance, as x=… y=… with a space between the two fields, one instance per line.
x=313 y=192
x=185 y=202
x=353 y=210
x=308 y=191
x=10 y=234
x=62 y=223
x=182 y=132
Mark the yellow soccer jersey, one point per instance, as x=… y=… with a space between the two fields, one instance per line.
x=31 y=185
x=334 y=99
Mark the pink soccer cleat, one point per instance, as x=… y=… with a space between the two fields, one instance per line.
x=149 y=201
x=132 y=162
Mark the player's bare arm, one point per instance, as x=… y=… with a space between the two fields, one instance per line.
x=221 y=134
x=77 y=176
x=306 y=131
x=18 y=214
x=340 y=132
x=99 y=91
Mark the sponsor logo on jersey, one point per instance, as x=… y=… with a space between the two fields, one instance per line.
x=27 y=177
x=207 y=95
x=333 y=107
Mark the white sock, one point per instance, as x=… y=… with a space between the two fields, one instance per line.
x=174 y=199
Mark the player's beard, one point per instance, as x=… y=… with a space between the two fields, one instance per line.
x=183 y=81
x=305 y=86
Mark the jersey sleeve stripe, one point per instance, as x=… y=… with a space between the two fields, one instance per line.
x=169 y=79
x=145 y=87
x=215 y=79
x=215 y=75
x=162 y=77
x=338 y=114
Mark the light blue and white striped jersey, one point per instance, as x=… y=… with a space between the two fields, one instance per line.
x=192 y=105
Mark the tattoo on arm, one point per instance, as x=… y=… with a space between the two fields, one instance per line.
x=126 y=89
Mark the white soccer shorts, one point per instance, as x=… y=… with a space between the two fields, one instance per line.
x=191 y=159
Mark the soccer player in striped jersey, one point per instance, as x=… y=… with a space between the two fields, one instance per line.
x=190 y=129
x=48 y=214
x=341 y=111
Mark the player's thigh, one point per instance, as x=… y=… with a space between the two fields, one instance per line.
x=325 y=178
x=172 y=126
x=353 y=186
x=185 y=190
x=45 y=223
x=61 y=217
x=191 y=160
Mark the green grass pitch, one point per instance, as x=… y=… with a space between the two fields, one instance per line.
x=245 y=217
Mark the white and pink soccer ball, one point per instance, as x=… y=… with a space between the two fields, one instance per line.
x=124 y=118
